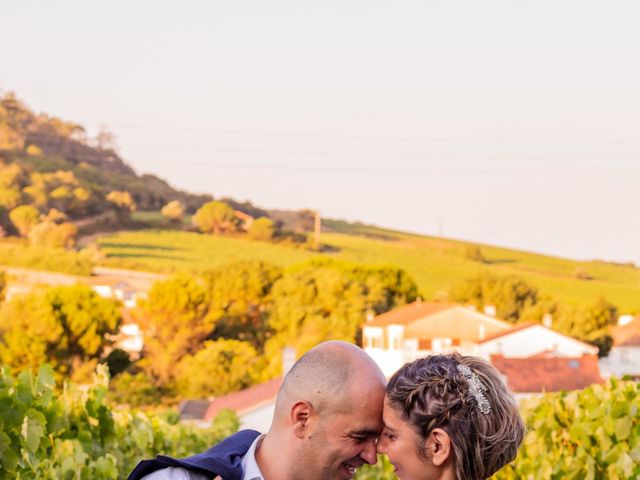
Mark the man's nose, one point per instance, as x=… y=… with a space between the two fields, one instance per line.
x=369 y=453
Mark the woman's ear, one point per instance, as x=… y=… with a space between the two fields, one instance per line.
x=300 y=415
x=439 y=443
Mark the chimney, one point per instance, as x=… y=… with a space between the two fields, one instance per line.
x=490 y=310
x=288 y=359
x=547 y=320
x=624 y=320
x=370 y=315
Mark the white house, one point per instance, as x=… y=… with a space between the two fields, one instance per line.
x=624 y=357
x=531 y=339
x=423 y=328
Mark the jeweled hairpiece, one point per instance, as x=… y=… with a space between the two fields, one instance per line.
x=476 y=388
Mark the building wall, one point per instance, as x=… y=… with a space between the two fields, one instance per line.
x=533 y=341
x=258 y=419
x=621 y=361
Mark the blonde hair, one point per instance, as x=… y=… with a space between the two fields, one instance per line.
x=433 y=392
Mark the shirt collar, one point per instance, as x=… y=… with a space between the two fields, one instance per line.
x=249 y=464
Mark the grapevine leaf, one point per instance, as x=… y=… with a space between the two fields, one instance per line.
x=33 y=429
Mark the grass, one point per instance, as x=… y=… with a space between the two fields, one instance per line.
x=436 y=264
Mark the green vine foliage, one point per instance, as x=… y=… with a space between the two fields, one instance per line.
x=76 y=435
x=588 y=434
x=591 y=434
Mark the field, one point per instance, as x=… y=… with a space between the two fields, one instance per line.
x=435 y=263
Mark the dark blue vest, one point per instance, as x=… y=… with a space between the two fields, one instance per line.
x=223 y=459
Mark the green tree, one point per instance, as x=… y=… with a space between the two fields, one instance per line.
x=474 y=253
x=314 y=304
x=10 y=198
x=216 y=217
x=262 y=228
x=134 y=390
x=173 y=211
x=222 y=366
x=239 y=300
x=64 y=326
x=24 y=217
x=510 y=295
x=590 y=323
x=176 y=321
x=50 y=234
x=122 y=203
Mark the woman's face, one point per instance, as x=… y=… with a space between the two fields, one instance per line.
x=400 y=442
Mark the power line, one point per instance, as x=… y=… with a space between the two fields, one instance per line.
x=390 y=156
x=353 y=137
x=403 y=171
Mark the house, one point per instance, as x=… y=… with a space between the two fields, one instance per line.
x=246 y=220
x=129 y=337
x=254 y=405
x=531 y=339
x=624 y=357
x=547 y=373
x=423 y=328
x=121 y=290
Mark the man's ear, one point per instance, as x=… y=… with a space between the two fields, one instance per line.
x=439 y=443
x=300 y=414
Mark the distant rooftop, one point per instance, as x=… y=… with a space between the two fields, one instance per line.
x=548 y=374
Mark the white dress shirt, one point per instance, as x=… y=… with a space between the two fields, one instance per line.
x=249 y=467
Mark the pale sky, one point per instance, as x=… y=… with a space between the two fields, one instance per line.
x=513 y=123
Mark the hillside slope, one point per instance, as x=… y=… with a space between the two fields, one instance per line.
x=435 y=263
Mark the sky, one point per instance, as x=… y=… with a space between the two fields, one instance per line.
x=512 y=123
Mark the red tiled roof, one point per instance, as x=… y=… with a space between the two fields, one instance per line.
x=408 y=313
x=245 y=399
x=548 y=374
x=627 y=335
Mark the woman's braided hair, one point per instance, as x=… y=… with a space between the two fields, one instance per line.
x=432 y=392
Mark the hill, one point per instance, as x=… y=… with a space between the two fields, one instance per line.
x=51 y=163
x=435 y=263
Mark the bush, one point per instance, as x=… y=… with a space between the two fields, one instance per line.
x=76 y=434
x=50 y=234
x=262 y=229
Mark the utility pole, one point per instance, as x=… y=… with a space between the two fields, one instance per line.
x=316 y=230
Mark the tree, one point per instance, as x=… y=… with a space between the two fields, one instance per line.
x=64 y=326
x=222 y=366
x=473 y=253
x=216 y=217
x=176 y=322
x=314 y=304
x=589 y=323
x=50 y=234
x=122 y=203
x=24 y=217
x=239 y=300
x=262 y=228
x=173 y=211
x=3 y=284
x=510 y=295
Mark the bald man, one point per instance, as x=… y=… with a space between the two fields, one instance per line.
x=327 y=417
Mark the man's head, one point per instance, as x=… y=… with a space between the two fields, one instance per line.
x=329 y=412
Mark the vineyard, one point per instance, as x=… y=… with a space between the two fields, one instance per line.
x=75 y=434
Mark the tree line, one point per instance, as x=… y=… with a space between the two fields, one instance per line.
x=205 y=334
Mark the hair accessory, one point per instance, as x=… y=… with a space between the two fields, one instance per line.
x=476 y=388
